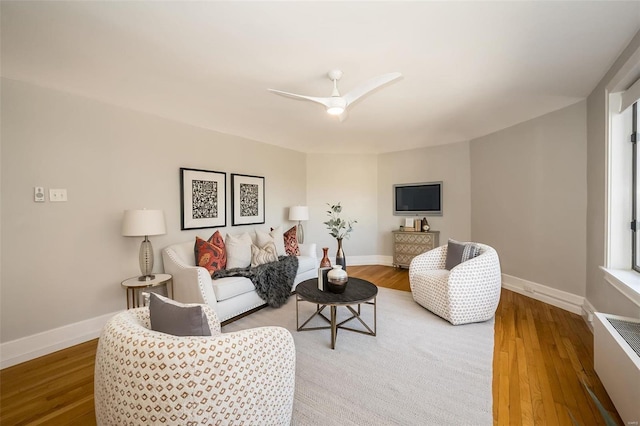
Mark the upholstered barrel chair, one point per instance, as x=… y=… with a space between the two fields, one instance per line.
x=144 y=377
x=469 y=292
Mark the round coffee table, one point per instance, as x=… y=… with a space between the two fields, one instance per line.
x=358 y=292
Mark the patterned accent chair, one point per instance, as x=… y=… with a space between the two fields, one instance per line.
x=470 y=292
x=144 y=377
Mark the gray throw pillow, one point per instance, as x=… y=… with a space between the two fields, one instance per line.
x=458 y=252
x=171 y=317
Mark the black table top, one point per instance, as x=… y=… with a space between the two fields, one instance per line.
x=357 y=291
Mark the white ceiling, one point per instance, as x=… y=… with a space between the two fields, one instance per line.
x=470 y=68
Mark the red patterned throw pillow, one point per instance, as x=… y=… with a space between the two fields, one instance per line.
x=211 y=254
x=291 y=242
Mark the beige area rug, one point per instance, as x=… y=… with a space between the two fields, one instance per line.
x=418 y=370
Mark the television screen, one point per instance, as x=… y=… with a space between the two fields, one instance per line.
x=418 y=199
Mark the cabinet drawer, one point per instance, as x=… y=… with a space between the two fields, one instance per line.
x=412 y=249
x=413 y=238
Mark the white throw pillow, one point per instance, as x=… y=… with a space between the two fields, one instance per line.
x=260 y=256
x=275 y=236
x=238 y=250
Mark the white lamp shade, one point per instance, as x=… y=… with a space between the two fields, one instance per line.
x=140 y=223
x=299 y=213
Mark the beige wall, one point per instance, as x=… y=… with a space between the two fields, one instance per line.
x=446 y=163
x=600 y=294
x=528 y=198
x=63 y=262
x=352 y=181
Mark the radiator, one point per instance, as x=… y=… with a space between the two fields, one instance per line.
x=616 y=351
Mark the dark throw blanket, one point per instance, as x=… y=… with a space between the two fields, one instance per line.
x=273 y=281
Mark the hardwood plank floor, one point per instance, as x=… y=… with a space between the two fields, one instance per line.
x=541 y=355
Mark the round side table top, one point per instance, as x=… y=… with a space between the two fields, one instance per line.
x=357 y=291
x=133 y=282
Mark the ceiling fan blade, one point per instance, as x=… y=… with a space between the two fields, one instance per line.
x=370 y=85
x=343 y=116
x=322 y=101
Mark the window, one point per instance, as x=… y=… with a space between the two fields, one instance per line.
x=635 y=203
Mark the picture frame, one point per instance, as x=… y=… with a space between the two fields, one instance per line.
x=203 y=199
x=247 y=199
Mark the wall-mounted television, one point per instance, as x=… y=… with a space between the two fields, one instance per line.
x=412 y=199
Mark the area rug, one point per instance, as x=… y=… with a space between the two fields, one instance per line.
x=418 y=370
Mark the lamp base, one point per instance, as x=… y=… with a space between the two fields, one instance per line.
x=146 y=277
x=146 y=260
x=300 y=233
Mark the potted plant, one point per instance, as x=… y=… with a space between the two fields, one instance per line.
x=339 y=228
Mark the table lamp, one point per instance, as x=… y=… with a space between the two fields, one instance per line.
x=299 y=213
x=142 y=223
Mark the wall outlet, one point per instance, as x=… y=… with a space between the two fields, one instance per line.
x=38 y=194
x=57 y=195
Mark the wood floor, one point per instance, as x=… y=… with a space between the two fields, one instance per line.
x=541 y=354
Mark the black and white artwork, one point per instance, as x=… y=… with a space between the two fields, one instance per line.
x=247 y=199
x=203 y=198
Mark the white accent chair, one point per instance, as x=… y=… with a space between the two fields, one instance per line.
x=470 y=292
x=144 y=377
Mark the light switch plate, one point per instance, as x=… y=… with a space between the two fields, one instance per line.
x=38 y=194
x=57 y=195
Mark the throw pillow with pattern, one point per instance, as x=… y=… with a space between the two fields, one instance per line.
x=291 y=242
x=458 y=252
x=211 y=254
x=266 y=254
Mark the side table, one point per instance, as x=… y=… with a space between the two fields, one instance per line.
x=133 y=287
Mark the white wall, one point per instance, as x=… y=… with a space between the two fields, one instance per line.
x=446 y=163
x=352 y=181
x=528 y=198
x=63 y=262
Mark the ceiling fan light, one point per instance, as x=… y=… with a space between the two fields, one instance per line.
x=335 y=110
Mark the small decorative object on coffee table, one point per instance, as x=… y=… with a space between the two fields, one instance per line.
x=337 y=280
x=359 y=292
x=339 y=229
x=325 y=262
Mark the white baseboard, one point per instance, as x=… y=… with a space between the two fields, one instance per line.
x=30 y=347
x=588 y=312
x=561 y=299
x=373 y=259
x=370 y=260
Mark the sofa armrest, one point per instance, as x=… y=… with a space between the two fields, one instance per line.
x=191 y=284
x=432 y=259
x=308 y=249
x=480 y=275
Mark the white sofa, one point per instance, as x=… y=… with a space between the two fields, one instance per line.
x=230 y=296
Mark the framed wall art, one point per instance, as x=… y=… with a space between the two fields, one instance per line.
x=247 y=199
x=203 y=195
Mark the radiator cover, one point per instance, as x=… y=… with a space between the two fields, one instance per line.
x=617 y=364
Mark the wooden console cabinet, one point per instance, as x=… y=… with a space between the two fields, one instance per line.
x=407 y=245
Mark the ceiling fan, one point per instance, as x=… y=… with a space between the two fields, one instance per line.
x=337 y=104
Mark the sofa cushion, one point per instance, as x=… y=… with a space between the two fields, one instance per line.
x=306 y=263
x=266 y=254
x=291 y=242
x=275 y=236
x=171 y=317
x=211 y=254
x=228 y=287
x=238 y=250
x=458 y=252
